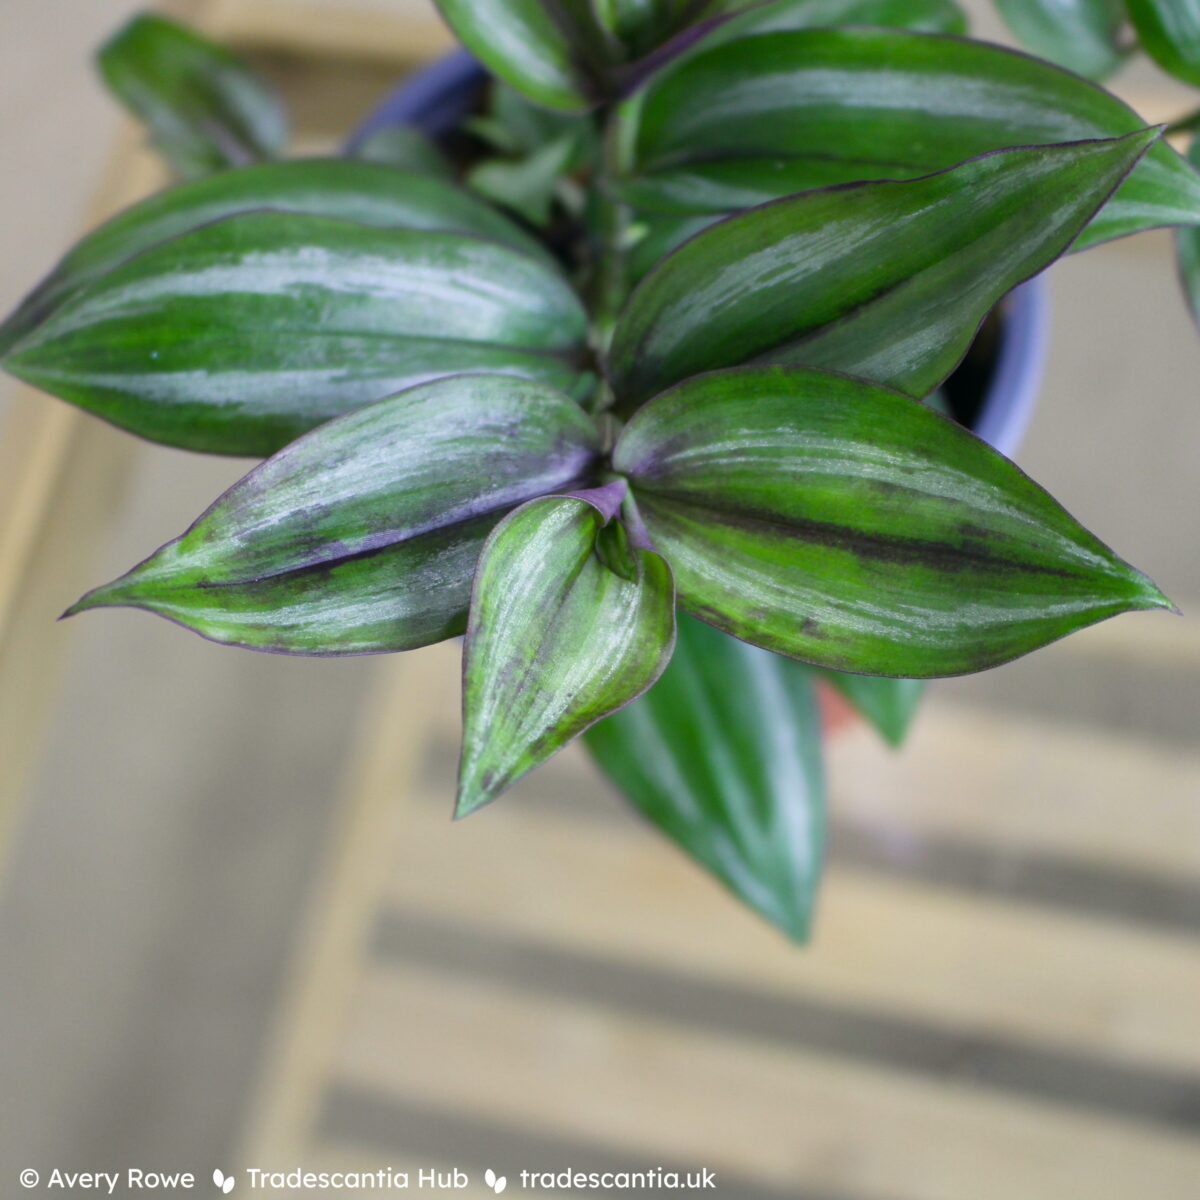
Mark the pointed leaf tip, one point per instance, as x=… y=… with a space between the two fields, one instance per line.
x=888 y=705
x=1155 y=597
x=107 y=595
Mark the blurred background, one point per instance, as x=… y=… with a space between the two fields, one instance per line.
x=237 y=928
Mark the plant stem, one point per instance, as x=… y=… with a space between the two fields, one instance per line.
x=611 y=282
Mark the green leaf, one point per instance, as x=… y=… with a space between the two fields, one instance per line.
x=406 y=147
x=353 y=191
x=749 y=17
x=710 y=190
x=641 y=25
x=1169 y=31
x=568 y=623
x=240 y=335
x=887 y=281
x=549 y=50
x=519 y=125
x=723 y=755
x=853 y=528
x=363 y=535
x=527 y=185
x=888 y=704
x=1080 y=35
x=204 y=107
x=864 y=102
x=1187 y=245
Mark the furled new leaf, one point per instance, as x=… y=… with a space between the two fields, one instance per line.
x=406 y=147
x=812 y=107
x=1169 y=30
x=723 y=754
x=888 y=704
x=513 y=124
x=851 y=527
x=363 y=535
x=353 y=191
x=1080 y=35
x=568 y=623
x=527 y=185
x=206 y=109
x=239 y=336
x=886 y=281
x=549 y=50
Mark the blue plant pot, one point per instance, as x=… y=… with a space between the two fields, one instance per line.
x=437 y=98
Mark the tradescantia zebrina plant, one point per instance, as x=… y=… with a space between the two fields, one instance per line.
x=634 y=381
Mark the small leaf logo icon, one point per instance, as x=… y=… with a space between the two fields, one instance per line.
x=223 y=1181
x=496 y=1182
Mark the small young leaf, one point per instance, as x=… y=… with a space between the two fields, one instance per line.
x=240 y=335
x=406 y=147
x=363 y=535
x=871 y=102
x=205 y=109
x=568 y=623
x=549 y=50
x=352 y=191
x=888 y=704
x=519 y=125
x=886 y=281
x=526 y=185
x=851 y=527
x=1169 y=30
x=1080 y=35
x=723 y=755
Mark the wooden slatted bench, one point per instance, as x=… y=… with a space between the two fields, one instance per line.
x=985 y=1012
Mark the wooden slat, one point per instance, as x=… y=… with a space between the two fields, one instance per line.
x=1010 y=782
x=1137 y=640
x=39 y=432
x=891 y=946
x=793 y=1119
x=61 y=478
x=1001 y=780
x=336 y=929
